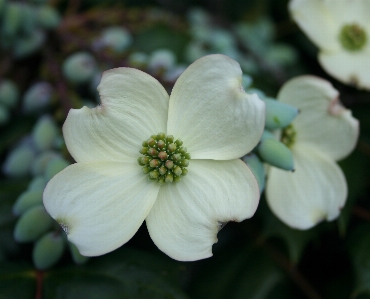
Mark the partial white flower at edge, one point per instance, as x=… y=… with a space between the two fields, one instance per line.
x=322 y=133
x=102 y=200
x=341 y=31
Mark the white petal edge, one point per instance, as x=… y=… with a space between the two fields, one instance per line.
x=350 y=12
x=134 y=106
x=211 y=113
x=322 y=122
x=349 y=68
x=186 y=217
x=317 y=190
x=100 y=205
x=317 y=21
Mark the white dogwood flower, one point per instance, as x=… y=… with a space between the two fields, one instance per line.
x=323 y=132
x=341 y=30
x=131 y=164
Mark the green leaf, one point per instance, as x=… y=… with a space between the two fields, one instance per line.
x=355 y=168
x=247 y=272
x=17 y=280
x=359 y=245
x=295 y=240
x=122 y=274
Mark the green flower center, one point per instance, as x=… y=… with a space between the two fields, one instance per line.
x=164 y=159
x=288 y=136
x=352 y=37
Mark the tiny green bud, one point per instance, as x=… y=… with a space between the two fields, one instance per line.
x=28 y=44
x=117 y=39
x=169 y=178
x=257 y=168
x=178 y=142
x=276 y=154
x=139 y=161
x=162 y=155
x=161 y=144
x=151 y=142
x=162 y=170
x=48 y=17
x=154 y=163
x=44 y=133
x=176 y=157
x=144 y=150
x=32 y=224
x=161 y=59
x=146 y=170
x=169 y=164
x=39 y=164
x=18 y=163
x=177 y=171
x=79 y=67
x=161 y=181
x=145 y=143
x=184 y=162
x=48 y=250
x=55 y=166
x=37 y=97
x=27 y=200
x=177 y=179
x=187 y=156
x=278 y=115
x=171 y=147
x=152 y=152
x=184 y=172
x=161 y=136
x=145 y=160
x=9 y=93
x=153 y=174
x=170 y=138
x=37 y=183
x=76 y=255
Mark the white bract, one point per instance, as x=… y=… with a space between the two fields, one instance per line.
x=341 y=30
x=322 y=133
x=102 y=200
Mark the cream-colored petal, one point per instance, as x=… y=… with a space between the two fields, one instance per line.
x=100 y=205
x=317 y=190
x=186 y=217
x=317 y=21
x=323 y=122
x=133 y=106
x=349 y=11
x=349 y=68
x=211 y=113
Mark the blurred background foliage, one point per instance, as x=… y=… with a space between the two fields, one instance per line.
x=52 y=56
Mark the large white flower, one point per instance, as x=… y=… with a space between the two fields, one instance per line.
x=102 y=200
x=341 y=30
x=322 y=133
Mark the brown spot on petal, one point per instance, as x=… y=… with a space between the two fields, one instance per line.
x=335 y=107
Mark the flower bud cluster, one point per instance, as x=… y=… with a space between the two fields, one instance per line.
x=277 y=153
x=9 y=96
x=38 y=155
x=164 y=158
x=24 y=26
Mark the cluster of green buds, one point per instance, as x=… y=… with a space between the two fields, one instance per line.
x=24 y=24
x=164 y=158
x=39 y=156
x=272 y=149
